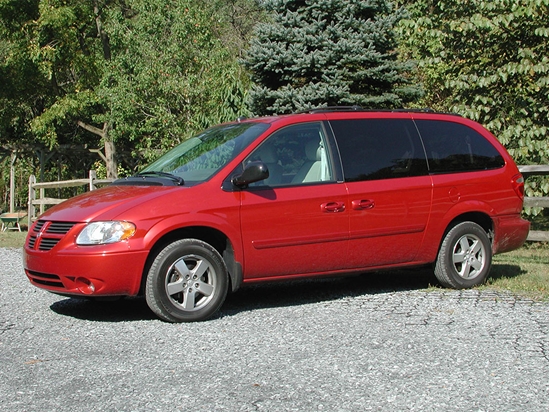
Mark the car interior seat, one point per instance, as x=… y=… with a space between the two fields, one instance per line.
x=311 y=171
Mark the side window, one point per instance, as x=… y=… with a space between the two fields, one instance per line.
x=294 y=155
x=373 y=149
x=454 y=147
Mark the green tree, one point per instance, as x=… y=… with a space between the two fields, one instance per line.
x=327 y=52
x=169 y=75
x=237 y=19
x=65 y=42
x=139 y=75
x=136 y=74
x=22 y=97
x=489 y=61
x=22 y=90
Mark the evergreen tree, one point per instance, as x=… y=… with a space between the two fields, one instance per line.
x=327 y=52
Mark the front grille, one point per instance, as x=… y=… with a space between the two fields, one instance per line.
x=32 y=242
x=48 y=244
x=45 y=234
x=39 y=225
x=59 y=227
x=45 y=279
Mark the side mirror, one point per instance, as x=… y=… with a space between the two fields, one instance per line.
x=253 y=172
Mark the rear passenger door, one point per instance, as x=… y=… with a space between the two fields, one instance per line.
x=389 y=189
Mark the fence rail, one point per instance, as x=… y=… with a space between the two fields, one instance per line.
x=93 y=182
x=41 y=200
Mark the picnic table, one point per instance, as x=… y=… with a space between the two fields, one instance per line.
x=10 y=221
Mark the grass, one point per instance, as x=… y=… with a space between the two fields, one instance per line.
x=12 y=239
x=524 y=271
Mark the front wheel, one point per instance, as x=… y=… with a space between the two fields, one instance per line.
x=187 y=282
x=465 y=257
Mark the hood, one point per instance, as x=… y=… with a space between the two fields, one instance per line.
x=106 y=203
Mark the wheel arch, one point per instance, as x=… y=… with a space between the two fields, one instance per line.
x=480 y=218
x=214 y=237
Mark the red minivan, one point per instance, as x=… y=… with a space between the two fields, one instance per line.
x=331 y=191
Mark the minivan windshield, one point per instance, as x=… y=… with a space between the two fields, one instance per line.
x=199 y=158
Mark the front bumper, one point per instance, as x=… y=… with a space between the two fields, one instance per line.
x=86 y=273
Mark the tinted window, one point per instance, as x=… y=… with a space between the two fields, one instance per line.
x=453 y=147
x=379 y=149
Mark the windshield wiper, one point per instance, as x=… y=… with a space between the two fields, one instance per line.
x=174 y=178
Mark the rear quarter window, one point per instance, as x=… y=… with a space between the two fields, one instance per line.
x=373 y=149
x=454 y=147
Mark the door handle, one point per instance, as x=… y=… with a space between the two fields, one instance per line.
x=363 y=204
x=333 y=207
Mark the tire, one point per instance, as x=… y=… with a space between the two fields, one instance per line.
x=187 y=282
x=465 y=257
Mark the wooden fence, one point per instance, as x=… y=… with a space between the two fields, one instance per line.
x=93 y=182
x=527 y=171
x=37 y=191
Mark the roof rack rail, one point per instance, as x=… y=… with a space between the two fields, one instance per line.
x=324 y=109
x=425 y=110
x=356 y=108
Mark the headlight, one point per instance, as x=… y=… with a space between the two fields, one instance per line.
x=99 y=233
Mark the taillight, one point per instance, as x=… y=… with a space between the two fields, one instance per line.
x=518 y=185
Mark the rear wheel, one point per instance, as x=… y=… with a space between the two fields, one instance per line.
x=187 y=282
x=465 y=257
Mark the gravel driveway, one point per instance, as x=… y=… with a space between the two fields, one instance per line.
x=348 y=344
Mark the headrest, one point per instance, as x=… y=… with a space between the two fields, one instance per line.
x=312 y=150
x=267 y=153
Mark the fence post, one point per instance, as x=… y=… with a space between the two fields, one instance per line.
x=93 y=176
x=42 y=196
x=32 y=196
x=12 y=181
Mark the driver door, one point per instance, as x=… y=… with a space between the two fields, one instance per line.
x=296 y=221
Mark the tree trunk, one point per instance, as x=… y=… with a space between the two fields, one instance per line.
x=110 y=151
x=102 y=34
x=110 y=154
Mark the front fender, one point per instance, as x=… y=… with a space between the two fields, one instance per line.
x=173 y=224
